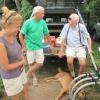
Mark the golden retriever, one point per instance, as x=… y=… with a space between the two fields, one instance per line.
x=65 y=80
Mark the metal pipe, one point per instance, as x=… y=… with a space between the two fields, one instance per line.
x=77 y=78
x=81 y=19
x=91 y=56
x=83 y=86
x=93 y=61
x=83 y=80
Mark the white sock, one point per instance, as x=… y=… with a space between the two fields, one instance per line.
x=34 y=77
x=72 y=73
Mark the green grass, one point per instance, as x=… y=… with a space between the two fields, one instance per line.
x=95 y=50
x=96 y=56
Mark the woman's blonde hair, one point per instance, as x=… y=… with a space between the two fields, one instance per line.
x=9 y=17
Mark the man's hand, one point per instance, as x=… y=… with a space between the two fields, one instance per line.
x=23 y=48
x=60 y=54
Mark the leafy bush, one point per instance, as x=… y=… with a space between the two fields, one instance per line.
x=26 y=9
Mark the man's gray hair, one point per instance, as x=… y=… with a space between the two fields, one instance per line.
x=75 y=16
x=37 y=9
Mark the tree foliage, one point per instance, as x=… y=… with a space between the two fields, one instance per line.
x=26 y=9
x=97 y=9
x=24 y=6
x=8 y=3
x=92 y=8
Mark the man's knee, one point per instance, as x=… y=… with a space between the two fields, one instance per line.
x=69 y=60
x=36 y=64
x=31 y=64
x=82 y=63
x=40 y=64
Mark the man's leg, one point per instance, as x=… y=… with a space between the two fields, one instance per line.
x=30 y=59
x=32 y=69
x=70 y=65
x=82 y=62
x=70 y=53
x=39 y=58
x=81 y=54
x=15 y=97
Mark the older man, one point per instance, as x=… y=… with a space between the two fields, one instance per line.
x=75 y=36
x=33 y=31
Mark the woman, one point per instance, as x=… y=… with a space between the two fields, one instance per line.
x=11 y=60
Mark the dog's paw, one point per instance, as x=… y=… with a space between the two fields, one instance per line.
x=56 y=99
x=46 y=80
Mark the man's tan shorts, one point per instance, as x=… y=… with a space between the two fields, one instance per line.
x=35 y=56
x=76 y=52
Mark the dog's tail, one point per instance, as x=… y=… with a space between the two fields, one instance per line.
x=59 y=69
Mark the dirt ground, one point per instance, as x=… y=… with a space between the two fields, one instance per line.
x=45 y=91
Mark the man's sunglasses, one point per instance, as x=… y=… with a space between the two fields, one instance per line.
x=69 y=18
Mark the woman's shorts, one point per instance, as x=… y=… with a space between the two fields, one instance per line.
x=15 y=85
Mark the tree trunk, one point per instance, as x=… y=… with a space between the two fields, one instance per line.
x=88 y=20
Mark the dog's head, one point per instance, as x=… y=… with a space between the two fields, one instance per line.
x=82 y=94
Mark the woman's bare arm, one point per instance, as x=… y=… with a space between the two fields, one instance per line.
x=21 y=38
x=4 y=63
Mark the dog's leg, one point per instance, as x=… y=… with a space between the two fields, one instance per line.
x=62 y=91
x=49 y=79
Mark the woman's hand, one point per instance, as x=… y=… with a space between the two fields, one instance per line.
x=23 y=62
